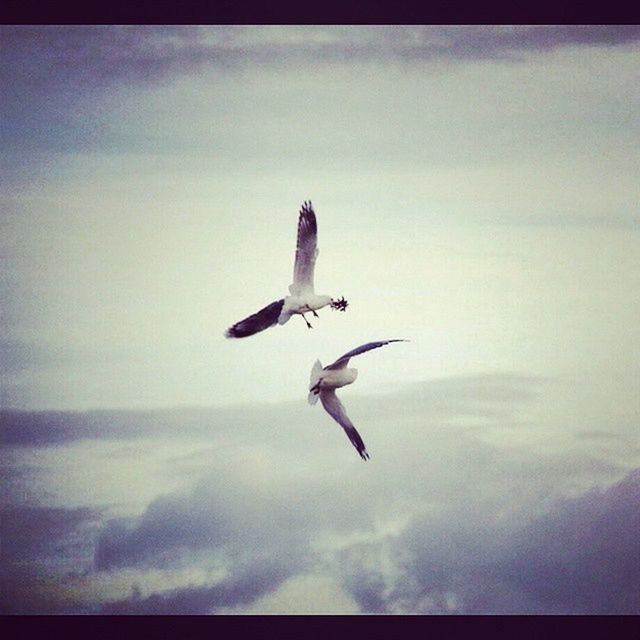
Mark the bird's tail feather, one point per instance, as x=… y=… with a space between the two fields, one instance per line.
x=259 y=321
x=316 y=372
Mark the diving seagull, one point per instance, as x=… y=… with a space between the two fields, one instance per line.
x=325 y=381
x=302 y=299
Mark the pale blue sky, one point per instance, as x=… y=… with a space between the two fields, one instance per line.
x=476 y=191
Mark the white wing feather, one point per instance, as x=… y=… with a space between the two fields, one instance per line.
x=306 y=251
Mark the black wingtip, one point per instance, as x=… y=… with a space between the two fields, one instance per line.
x=259 y=321
x=307 y=207
x=232 y=332
x=364 y=455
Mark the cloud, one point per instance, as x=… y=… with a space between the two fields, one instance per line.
x=28 y=531
x=366 y=585
x=260 y=532
x=95 y=56
x=497 y=41
x=486 y=396
x=31 y=537
x=584 y=555
x=246 y=586
x=55 y=76
x=42 y=428
x=581 y=556
x=445 y=518
x=261 y=538
x=107 y=55
x=228 y=512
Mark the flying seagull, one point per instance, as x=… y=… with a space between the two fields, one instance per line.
x=302 y=299
x=325 y=381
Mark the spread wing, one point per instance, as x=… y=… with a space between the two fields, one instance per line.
x=259 y=321
x=335 y=409
x=342 y=361
x=306 y=251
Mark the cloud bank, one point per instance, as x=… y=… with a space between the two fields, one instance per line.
x=103 y=55
x=447 y=517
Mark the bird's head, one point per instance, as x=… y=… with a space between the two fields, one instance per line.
x=340 y=305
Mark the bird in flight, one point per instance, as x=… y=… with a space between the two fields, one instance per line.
x=325 y=381
x=302 y=298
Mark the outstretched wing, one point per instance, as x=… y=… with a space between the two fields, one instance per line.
x=259 y=321
x=306 y=251
x=335 y=409
x=342 y=361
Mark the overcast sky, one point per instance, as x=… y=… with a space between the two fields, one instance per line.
x=476 y=191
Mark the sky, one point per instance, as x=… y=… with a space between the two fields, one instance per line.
x=476 y=193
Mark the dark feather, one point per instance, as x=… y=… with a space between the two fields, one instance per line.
x=343 y=360
x=335 y=409
x=357 y=442
x=307 y=224
x=259 y=321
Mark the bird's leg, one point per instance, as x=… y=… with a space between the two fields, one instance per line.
x=308 y=324
x=308 y=308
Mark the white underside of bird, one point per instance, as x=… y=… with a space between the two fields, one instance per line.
x=301 y=303
x=325 y=380
x=302 y=298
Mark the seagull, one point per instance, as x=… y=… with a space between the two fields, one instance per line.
x=302 y=299
x=325 y=381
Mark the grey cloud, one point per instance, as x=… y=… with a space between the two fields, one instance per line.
x=496 y=41
x=584 y=555
x=100 y=55
x=91 y=55
x=581 y=556
x=54 y=76
x=442 y=522
x=41 y=428
x=247 y=585
x=367 y=588
x=29 y=590
x=46 y=71
x=262 y=536
x=28 y=531
x=359 y=570
x=31 y=536
x=489 y=396
x=225 y=513
x=61 y=86
x=457 y=556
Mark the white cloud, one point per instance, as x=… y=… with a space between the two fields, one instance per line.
x=300 y=595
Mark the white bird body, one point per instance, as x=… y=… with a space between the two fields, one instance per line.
x=303 y=303
x=336 y=378
x=324 y=381
x=302 y=298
